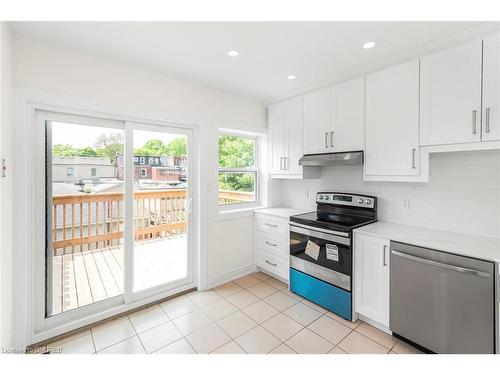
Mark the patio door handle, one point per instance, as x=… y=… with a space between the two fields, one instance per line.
x=188 y=205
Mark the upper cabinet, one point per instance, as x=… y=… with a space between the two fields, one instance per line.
x=317 y=122
x=392 y=122
x=285 y=122
x=491 y=88
x=451 y=95
x=347 y=116
x=334 y=118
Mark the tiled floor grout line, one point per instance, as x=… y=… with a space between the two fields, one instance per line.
x=136 y=334
x=201 y=307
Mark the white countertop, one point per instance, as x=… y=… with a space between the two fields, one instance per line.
x=283 y=212
x=451 y=242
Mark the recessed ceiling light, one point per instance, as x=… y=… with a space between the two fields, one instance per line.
x=233 y=53
x=291 y=77
x=368 y=45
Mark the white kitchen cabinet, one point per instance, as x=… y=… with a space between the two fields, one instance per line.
x=276 y=137
x=491 y=88
x=347 y=112
x=285 y=137
x=392 y=122
x=451 y=95
x=371 y=278
x=286 y=126
x=272 y=244
x=317 y=122
x=293 y=130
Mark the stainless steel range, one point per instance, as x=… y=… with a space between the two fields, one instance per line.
x=321 y=249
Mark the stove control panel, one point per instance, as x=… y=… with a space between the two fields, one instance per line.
x=344 y=199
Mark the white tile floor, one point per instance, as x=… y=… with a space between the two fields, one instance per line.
x=253 y=314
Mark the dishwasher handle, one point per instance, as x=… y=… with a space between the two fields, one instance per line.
x=469 y=271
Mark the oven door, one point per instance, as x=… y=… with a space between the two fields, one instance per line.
x=334 y=261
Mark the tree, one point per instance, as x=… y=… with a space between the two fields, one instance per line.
x=64 y=150
x=87 y=152
x=154 y=147
x=109 y=145
x=177 y=147
x=236 y=152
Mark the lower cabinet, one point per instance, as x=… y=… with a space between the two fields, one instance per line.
x=272 y=245
x=371 y=278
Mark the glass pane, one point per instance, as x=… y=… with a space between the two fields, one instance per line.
x=85 y=215
x=236 y=188
x=236 y=152
x=160 y=217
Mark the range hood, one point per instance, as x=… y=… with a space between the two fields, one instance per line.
x=336 y=158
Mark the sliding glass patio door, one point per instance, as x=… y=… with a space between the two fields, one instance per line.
x=117 y=212
x=161 y=211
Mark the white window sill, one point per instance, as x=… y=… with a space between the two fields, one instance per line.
x=230 y=214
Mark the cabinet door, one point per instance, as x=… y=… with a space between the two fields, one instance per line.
x=491 y=88
x=293 y=134
x=275 y=133
x=451 y=95
x=371 y=277
x=392 y=121
x=347 y=113
x=317 y=122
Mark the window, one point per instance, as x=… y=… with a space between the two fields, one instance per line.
x=237 y=170
x=69 y=172
x=136 y=159
x=144 y=173
x=93 y=172
x=142 y=160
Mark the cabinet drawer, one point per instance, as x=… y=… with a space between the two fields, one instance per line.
x=272 y=243
x=273 y=264
x=273 y=225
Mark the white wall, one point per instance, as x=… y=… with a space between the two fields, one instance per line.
x=39 y=65
x=463 y=194
x=5 y=188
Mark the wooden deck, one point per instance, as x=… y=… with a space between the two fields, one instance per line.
x=82 y=278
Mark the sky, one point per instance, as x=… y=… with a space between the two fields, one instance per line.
x=79 y=136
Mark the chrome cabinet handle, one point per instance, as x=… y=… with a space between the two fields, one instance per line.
x=271 y=263
x=469 y=271
x=285 y=163
x=271 y=243
x=487 y=119
x=413 y=161
x=272 y=225
x=281 y=162
x=331 y=139
x=384 y=261
x=326 y=139
x=474 y=124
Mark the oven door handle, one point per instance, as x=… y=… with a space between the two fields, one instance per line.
x=297 y=228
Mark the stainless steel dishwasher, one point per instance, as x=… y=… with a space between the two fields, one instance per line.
x=442 y=302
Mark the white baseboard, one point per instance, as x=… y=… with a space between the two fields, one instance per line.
x=212 y=282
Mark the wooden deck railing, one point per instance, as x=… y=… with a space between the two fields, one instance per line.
x=89 y=221
x=227 y=197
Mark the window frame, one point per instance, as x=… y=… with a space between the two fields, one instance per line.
x=70 y=171
x=256 y=169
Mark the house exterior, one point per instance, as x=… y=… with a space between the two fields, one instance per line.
x=156 y=168
x=71 y=169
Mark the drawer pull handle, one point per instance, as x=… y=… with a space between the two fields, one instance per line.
x=271 y=243
x=271 y=263
x=272 y=225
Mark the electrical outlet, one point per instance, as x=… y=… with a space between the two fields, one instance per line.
x=406 y=203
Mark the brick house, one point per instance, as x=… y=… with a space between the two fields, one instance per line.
x=156 y=168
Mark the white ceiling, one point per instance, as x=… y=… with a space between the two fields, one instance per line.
x=315 y=52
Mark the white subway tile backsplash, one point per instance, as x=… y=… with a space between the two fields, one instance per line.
x=463 y=193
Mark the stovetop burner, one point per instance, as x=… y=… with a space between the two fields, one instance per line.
x=340 y=212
